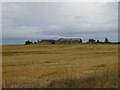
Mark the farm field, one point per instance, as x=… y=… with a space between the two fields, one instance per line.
x=60 y=65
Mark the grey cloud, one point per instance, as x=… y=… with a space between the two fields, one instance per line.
x=41 y=20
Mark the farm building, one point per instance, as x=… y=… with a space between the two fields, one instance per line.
x=91 y=41
x=69 y=40
x=46 y=41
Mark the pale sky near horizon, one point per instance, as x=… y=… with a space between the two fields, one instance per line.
x=53 y=20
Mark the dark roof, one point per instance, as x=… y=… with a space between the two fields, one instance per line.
x=69 y=39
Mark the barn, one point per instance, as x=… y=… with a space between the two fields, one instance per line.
x=69 y=41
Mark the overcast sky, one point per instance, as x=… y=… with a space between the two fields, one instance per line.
x=43 y=20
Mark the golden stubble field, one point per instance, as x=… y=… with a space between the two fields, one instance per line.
x=39 y=66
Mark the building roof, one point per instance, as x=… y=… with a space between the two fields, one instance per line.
x=68 y=39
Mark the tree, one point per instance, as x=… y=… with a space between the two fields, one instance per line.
x=28 y=42
x=106 y=40
x=35 y=42
x=80 y=40
x=98 y=41
x=91 y=41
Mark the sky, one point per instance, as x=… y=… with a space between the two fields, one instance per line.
x=34 y=21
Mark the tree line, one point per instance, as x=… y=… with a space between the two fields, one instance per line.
x=90 y=40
